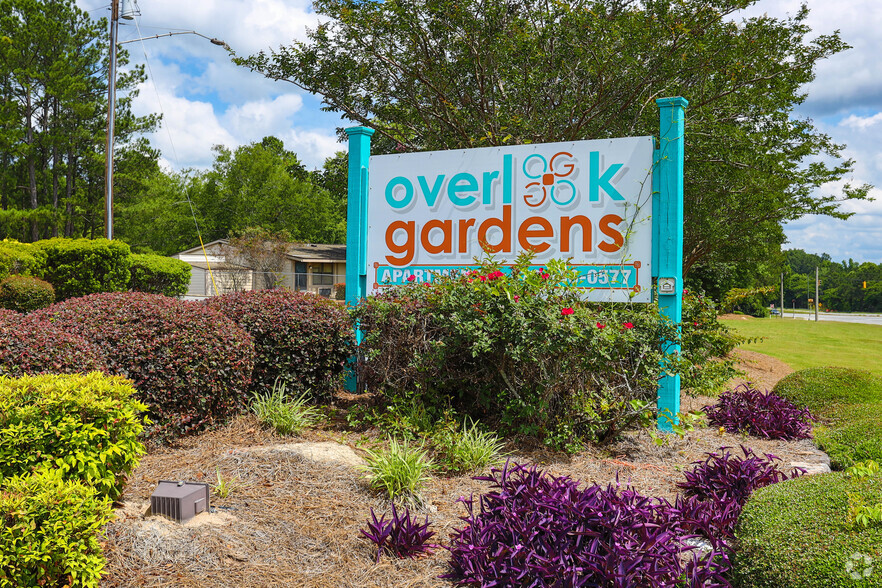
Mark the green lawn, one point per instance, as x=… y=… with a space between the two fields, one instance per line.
x=804 y=344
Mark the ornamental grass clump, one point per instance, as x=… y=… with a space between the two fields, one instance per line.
x=401 y=536
x=399 y=472
x=467 y=449
x=763 y=414
x=288 y=416
x=535 y=529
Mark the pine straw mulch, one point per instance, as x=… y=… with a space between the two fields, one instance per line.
x=292 y=522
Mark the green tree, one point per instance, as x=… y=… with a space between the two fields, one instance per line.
x=53 y=67
x=437 y=74
x=257 y=185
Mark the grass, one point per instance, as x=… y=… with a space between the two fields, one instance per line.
x=805 y=344
x=287 y=416
x=399 y=472
x=467 y=449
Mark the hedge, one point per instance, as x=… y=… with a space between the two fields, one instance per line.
x=21 y=258
x=156 y=274
x=49 y=535
x=78 y=267
x=25 y=293
x=190 y=365
x=32 y=346
x=849 y=403
x=85 y=427
x=797 y=534
x=303 y=340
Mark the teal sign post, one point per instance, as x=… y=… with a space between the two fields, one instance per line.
x=667 y=239
x=612 y=267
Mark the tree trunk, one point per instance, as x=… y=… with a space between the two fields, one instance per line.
x=32 y=171
x=68 y=207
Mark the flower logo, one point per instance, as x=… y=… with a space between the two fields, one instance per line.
x=859 y=566
x=549 y=175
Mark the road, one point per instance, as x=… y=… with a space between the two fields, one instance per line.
x=867 y=319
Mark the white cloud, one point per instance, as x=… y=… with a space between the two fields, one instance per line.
x=861 y=122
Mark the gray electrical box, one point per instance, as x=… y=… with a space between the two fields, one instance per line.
x=179 y=501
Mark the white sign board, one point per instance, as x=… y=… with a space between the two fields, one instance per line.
x=589 y=201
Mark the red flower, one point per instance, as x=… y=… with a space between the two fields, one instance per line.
x=695 y=324
x=544 y=276
x=628 y=325
x=600 y=325
x=494 y=275
x=411 y=278
x=483 y=278
x=566 y=311
x=516 y=297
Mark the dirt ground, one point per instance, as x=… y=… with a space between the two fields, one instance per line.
x=289 y=521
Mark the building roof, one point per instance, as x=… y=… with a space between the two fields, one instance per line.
x=303 y=252
x=317 y=253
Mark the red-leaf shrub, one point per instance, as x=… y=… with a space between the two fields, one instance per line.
x=191 y=365
x=299 y=338
x=34 y=347
x=25 y=293
x=749 y=410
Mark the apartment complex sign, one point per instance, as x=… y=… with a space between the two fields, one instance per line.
x=591 y=201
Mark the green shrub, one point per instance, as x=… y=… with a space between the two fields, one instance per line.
x=21 y=258
x=49 y=535
x=189 y=364
x=822 y=389
x=286 y=416
x=78 y=267
x=849 y=403
x=399 y=472
x=85 y=427
x=797 y=534
x=466 y=448
x=706 y=344
x=853 y=434
x=400 y=415
x=520 y=351
x=25 y=293
x=299 y=339
x=30 y=346
x=156 y=274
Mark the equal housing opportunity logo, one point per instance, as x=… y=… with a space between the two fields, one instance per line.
x=859 y=566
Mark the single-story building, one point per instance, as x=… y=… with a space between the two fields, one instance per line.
x=308 y=267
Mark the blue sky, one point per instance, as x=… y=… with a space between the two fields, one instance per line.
x=206 y=100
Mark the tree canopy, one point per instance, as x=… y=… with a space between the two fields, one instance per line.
x=53 y=105
x=438 y=74
x=260 y=185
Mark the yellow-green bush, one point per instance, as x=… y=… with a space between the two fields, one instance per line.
x=157 y=274
x=78 y=267
x=49 y=535
x=85 y=427
x=25 y=293
x=21 y=258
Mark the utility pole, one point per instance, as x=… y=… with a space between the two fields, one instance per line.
x=817 y=299
x=782 y=295
x=111 y=110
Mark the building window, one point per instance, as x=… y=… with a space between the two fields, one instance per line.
x=323 y=274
